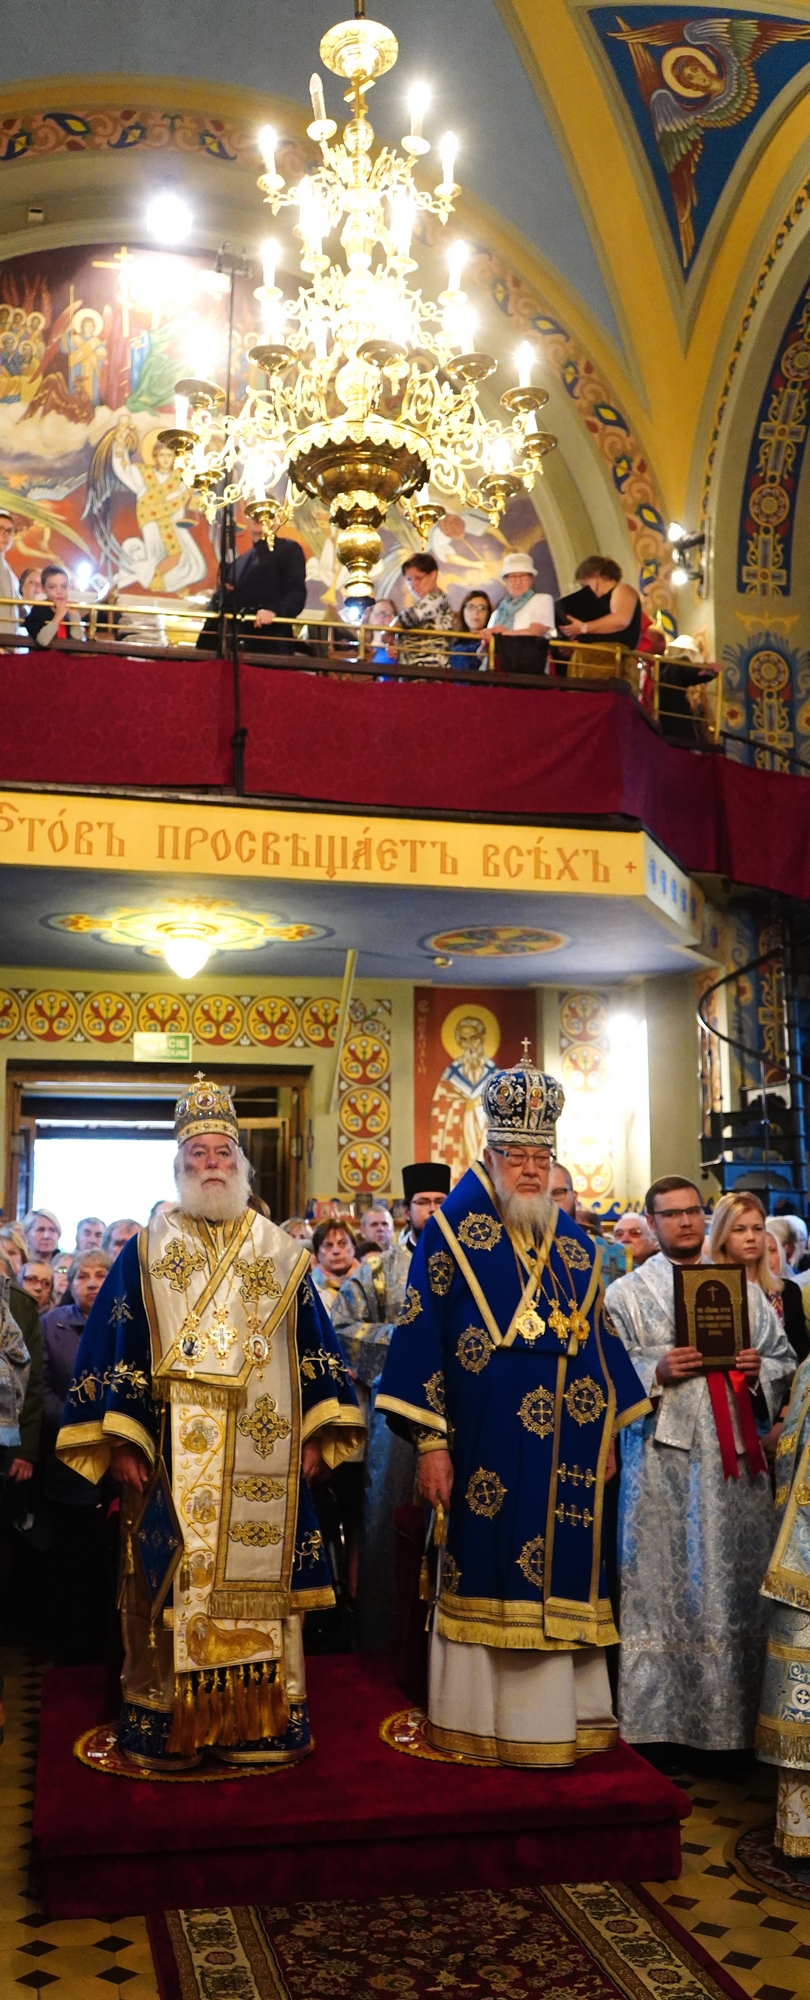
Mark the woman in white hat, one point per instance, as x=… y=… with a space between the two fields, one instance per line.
x=523 y=609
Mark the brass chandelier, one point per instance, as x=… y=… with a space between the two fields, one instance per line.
x=370 y=391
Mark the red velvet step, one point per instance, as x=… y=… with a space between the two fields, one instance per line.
x=355 y=1819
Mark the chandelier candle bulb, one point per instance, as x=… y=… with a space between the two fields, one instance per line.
x=418 y=101
x=181 y=412
x=449 y=148
x=526 y=358
x=268 y=142
x=316 y=99
x=270 y=257
x=456 y=260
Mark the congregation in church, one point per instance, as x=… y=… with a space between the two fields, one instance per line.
x=474 y=1366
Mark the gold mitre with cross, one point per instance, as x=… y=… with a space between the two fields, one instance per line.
x=522 y=1105
x=206 y=1107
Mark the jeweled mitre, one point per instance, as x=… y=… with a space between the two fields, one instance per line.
x=522 y=1106
x=206 y=1107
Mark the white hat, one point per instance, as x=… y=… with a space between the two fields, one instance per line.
x=516 y=564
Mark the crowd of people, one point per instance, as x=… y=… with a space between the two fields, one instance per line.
x=688 y=1546
x=515 y=634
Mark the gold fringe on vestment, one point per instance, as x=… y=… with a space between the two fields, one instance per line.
x=226 y=1706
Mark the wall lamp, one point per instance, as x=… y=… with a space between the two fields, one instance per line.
x=688 y=557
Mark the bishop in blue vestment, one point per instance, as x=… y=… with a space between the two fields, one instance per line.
x=502 y=1370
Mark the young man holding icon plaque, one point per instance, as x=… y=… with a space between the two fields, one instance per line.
x=696 y=1515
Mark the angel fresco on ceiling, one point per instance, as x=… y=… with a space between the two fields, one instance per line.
x=698 y=77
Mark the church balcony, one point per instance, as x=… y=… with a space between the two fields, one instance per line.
x=315 y=721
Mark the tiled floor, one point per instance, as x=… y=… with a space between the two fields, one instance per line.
x=77 y=1959
x=761 y=1939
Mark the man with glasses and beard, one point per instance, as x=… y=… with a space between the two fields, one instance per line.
x=209 y=1382
x=499 y=1372
x=694 y=1543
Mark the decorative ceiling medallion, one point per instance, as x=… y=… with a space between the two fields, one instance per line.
x=223 y=926
x=494 y=941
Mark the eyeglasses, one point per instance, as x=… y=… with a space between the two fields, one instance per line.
x=675 y=1214
x=519 y=1156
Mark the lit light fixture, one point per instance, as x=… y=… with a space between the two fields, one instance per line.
x=169 y=218
x=623 y=1032
x=370 y=388
x=688 y=557
x=187 y=947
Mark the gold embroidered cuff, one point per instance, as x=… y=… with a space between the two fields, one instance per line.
x=427 y=1419
x=629 y=1416
x=338 y=1428
x=118 y=1429
x=84 y=1449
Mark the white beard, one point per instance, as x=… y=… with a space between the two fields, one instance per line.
x=214 y=1204
x=526 y=1214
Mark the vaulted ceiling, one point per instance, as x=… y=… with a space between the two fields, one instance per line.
x=635 y=183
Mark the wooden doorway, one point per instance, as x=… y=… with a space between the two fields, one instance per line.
x=129 y=1101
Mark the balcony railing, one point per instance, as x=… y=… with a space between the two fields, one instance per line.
x=141 y=628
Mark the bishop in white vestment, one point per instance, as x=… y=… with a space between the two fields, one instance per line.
x=209 y=1381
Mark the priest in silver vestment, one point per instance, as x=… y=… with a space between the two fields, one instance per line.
x=693 y=1545
x=783 y=1730
x=365 y=1313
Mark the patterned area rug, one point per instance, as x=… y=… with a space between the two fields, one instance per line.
x=594 y=1941
x=755 y=1857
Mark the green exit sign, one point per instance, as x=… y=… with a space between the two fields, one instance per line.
x=150 y=1047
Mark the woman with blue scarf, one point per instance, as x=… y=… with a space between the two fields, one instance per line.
x=524 y=609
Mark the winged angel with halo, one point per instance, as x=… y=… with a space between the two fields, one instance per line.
x=702 y=81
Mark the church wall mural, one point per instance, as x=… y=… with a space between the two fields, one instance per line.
x=775 y=459
x=766 y=702
x=696 y=84
x=92 y=342
x=460 y=1038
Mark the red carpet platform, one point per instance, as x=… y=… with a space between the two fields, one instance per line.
x=356 y=1819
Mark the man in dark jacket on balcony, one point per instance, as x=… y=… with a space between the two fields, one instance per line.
x=269 y=587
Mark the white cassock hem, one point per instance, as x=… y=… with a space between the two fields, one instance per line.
x=501 y=1707
x=792 y=1831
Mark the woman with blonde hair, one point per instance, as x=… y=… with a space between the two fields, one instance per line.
x=741 y=1233
x=737 y=1236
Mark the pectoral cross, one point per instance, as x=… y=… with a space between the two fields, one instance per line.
x=120 y=262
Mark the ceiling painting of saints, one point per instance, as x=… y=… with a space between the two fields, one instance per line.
x=92 y=342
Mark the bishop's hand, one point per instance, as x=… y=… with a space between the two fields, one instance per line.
x=434 y=1479
x=129 y=1466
